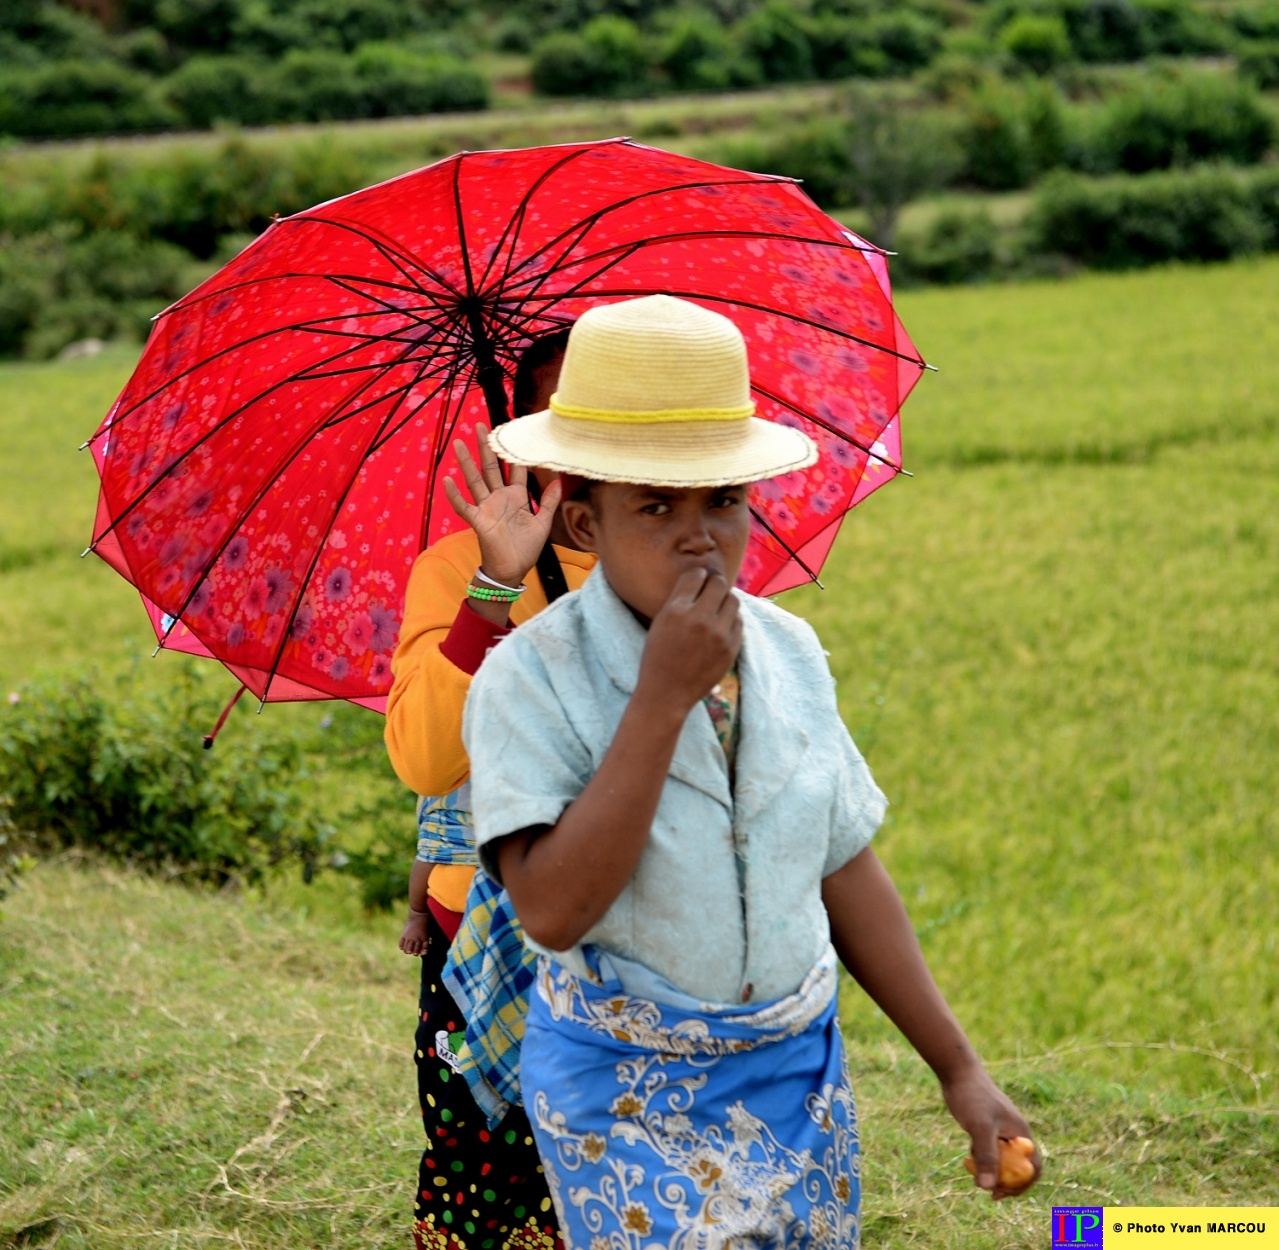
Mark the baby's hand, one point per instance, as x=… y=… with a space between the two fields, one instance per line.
x=989 y=1118
x=414 y=939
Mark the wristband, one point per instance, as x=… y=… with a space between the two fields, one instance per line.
x=498 y=596
x=496 y=585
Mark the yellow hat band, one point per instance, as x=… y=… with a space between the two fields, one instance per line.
x=618 y=416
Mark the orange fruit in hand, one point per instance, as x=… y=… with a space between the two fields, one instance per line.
x=1016 y=1162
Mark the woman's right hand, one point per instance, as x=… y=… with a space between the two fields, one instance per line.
x=511 y=534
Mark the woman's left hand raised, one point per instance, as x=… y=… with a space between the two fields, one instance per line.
x=510 y=533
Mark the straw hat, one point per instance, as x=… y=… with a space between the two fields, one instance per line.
x=655 y=391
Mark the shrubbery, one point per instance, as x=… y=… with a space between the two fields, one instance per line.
x=1107 y=30
x=67 y=98
x=1012 y=134
x=773 y=43
x=1179 y=122
x=57 y=287
x=131 y=780
x=959 y=245
x=188 y=196
x=608 y=58
x=1126 y=222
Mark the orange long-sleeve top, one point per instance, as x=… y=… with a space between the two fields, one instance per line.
x=424 y=709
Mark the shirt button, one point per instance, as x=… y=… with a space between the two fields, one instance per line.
x=748 y=991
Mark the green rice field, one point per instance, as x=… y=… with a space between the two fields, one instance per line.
x=1058 y=645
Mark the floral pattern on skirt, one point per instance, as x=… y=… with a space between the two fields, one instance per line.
x=661 y=1127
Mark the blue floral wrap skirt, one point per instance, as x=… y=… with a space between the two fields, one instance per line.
x=692 y=1127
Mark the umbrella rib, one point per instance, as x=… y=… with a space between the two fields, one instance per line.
x=257 y=498
x=389 y=433
x=785 y=546
x=300 y=326
x=190 y=301
x=208 y=434
x=315 y=558
x=461 y=224
x=343 y=285
x=540 y=279
x=400 y=257
x=301 y=443
x=639 y=244
x=440 y=440
x=589 y=222
x=741 y=303
x=827 y=426
x=516 y=221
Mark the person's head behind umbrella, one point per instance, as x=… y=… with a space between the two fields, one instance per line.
x=654 y=410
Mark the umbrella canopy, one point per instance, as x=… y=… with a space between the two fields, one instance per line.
x=270 y=472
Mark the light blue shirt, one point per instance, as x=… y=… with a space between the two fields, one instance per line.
x=726 y=901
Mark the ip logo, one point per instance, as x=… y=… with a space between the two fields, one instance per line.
x=1079 y=1227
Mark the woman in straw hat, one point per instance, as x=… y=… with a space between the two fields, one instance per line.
x=480 y=1182
x=663 y=784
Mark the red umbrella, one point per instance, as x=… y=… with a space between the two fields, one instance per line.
x=269 y=472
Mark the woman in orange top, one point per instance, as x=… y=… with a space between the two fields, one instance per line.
x=497 y=1199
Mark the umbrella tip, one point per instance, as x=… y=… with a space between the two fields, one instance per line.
x=930 y=368
x=84 y=444
x=905 y=473
x=86 y=551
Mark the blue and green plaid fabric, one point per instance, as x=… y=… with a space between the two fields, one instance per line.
x=489 y=970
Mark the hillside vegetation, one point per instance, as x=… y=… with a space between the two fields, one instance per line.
x=100 y=66
x=1057 y=647
x=1134 y=131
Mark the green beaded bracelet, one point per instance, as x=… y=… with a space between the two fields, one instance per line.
x=486 y=592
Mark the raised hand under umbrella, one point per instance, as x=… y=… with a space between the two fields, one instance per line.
x=272 y=468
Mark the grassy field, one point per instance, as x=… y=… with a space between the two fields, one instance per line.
x=1057 y=645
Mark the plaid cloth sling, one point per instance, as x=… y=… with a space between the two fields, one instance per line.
x=489 y=971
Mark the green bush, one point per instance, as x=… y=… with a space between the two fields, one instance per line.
x=608 y=58
x=1036 y=41
x=886 y=43
x=398 y=81
x=212 y=89
x=1259 y=63
x=1122 y=30
x=775 y=38
x=959 y=245
x=1126 y=222
x=696 y=54
x=844 y=48
x=316 y=85
x=563 y=65
x=56 y=288
x=1265 y=201
x=32 y=31
x=908 y=39
x=817 y=154
x=1165 y=123
x=66 y=98
x=131 y=780
x=996 y=140
x=192 y=196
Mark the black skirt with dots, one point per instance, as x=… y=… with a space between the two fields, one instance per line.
x=478 y=1189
